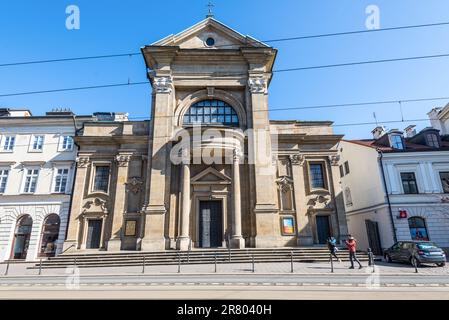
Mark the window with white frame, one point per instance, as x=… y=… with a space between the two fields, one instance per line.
x=4 y=173
x=30 y=180
x=38 y=143
x=8 y=143
x=397 y=142
x=66 y=143
x=61 y=180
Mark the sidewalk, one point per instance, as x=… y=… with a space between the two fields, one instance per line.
x=262 y=268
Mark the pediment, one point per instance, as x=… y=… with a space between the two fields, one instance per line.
x=195 y=37
x=211 y=176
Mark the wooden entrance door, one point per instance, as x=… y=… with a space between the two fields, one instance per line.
x=94 y=234
x=210 y=224
x=372 y=229
x=323 y=229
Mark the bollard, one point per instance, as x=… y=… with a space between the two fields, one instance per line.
x=143 y=265
x=7 y=268
x=291 y=262
x=415 y=264
x=179 y=263
x=253 y=264
x=215 y=258
x=332 y=263
x=40 y=267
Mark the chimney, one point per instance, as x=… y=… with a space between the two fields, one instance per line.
x=410 y=131
x=378 y=132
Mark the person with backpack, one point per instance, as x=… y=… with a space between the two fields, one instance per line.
x=332 y=246
x=351 y=244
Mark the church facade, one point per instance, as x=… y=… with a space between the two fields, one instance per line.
x=209 y=170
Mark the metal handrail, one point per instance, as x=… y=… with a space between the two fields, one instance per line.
x=71 y=246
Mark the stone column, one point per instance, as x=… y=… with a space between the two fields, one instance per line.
x=338 y=197
x=160 y=165
x=74 y=232
x=260 y=155
x=237 y=240
x=184 y=239
x=122 y=161
x=305 y=231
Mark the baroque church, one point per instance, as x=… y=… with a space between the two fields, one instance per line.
x=209 y=170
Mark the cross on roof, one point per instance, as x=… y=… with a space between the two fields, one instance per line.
x=210 y=14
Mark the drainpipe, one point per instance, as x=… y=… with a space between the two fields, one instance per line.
x=381 y=155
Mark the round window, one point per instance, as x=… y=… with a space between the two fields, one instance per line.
x=210 y=42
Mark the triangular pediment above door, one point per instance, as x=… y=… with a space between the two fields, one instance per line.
x=211 y=176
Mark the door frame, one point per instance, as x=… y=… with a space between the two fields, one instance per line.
x=87 y=233
x=197 y=199
x=85 y=227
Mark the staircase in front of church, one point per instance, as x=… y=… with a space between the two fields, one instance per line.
x=206 y=256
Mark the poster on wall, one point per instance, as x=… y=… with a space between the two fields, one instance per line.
x=288 y=226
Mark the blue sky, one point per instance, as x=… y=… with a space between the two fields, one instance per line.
x=34 y=30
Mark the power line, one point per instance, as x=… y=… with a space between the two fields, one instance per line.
x=264 y=41
x=362 y=63
x=74 y=89
x=324 y=106
x=236 y=74
x=69 y=59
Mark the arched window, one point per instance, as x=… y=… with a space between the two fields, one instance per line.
x=211 y=112
x=50 y=233
x=22 y=235
x=418 y=229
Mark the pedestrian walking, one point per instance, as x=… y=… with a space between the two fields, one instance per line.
x=332 y=246
x=351 y=244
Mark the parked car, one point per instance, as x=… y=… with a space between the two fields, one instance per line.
x=416 y=252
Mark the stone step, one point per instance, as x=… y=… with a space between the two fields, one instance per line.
x=195 y=257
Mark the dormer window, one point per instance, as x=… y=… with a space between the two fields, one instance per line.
x=432 y=140
x=397 y=142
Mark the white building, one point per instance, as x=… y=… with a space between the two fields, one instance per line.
x=396 y=187
x=37 y=156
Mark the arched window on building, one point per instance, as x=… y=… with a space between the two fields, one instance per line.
x=211 y=112
x=418 y=229
x=50 y=233
x=22 y=236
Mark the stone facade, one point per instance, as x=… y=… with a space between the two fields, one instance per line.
x=163 y=193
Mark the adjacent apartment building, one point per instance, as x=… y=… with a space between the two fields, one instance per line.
x=37 y=166
x=396 y=185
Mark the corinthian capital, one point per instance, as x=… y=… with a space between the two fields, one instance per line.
x=297 y=159
x=123 y=160
x=163 y=84
x=334 y=160
x=257 y=85
x=82 y=162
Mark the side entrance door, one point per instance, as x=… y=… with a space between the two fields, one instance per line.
x=210 y=224
x=93 y=234
x=372 y=229
x=323 y=229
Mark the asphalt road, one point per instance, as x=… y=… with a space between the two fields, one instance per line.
x=231 y=279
